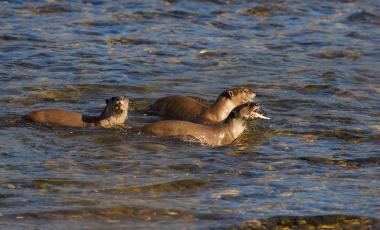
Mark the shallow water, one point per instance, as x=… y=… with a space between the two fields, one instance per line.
x=313 y=64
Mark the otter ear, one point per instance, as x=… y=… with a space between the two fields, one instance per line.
x=230 y=93
x=107 y=101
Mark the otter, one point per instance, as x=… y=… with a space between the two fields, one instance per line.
x=115 y=113
x=185 y=108
x=223 y=134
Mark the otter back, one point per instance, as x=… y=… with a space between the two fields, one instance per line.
x=178 y=107
x=57 y=117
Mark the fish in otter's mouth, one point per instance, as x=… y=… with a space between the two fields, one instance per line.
x=255 y=113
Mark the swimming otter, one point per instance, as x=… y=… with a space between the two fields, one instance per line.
x=185 y=108
x=115 y=113
x=223 y=134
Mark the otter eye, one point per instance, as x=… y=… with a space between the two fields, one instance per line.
x=253 y=104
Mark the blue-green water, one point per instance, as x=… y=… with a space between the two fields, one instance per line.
x=314 y=66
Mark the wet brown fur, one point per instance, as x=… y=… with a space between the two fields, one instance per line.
x=115 y=113
x=223 y=134
x=185 y=108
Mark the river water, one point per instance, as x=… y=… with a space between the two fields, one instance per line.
x=315 y=68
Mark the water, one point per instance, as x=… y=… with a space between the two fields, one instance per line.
x=313 y=64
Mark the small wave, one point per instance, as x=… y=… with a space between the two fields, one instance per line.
x=66 y=94
x=364 y=17
x=286 y=105
x=359 y=162
x=97 y=23
x=179 y=14
x=351 y=135
x=264 y=11
x=344 y=134
x=20 y=37
x=332 y=54
x=188 y=168
x=60 y=182
x=52 y=9
x=48 y=183
x=28 y=65
x=357 y=35
x=221 y=25
x=110 y=212
x=117 y=212
x=318 y=89
x=179 y=186
x=310 y=222
x=155 y=14
x=339 y=119
x=207 y=54
x=4 y=202
x=115 y=89
x=128 y=41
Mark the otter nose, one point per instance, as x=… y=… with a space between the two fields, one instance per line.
x=255 y=106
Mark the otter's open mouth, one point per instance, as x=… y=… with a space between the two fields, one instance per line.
x=255 y=114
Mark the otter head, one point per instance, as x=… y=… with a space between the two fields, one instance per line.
x=239 y=95
x=247 y=111
x=116 y=106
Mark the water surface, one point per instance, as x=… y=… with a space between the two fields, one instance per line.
x=313 y=64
